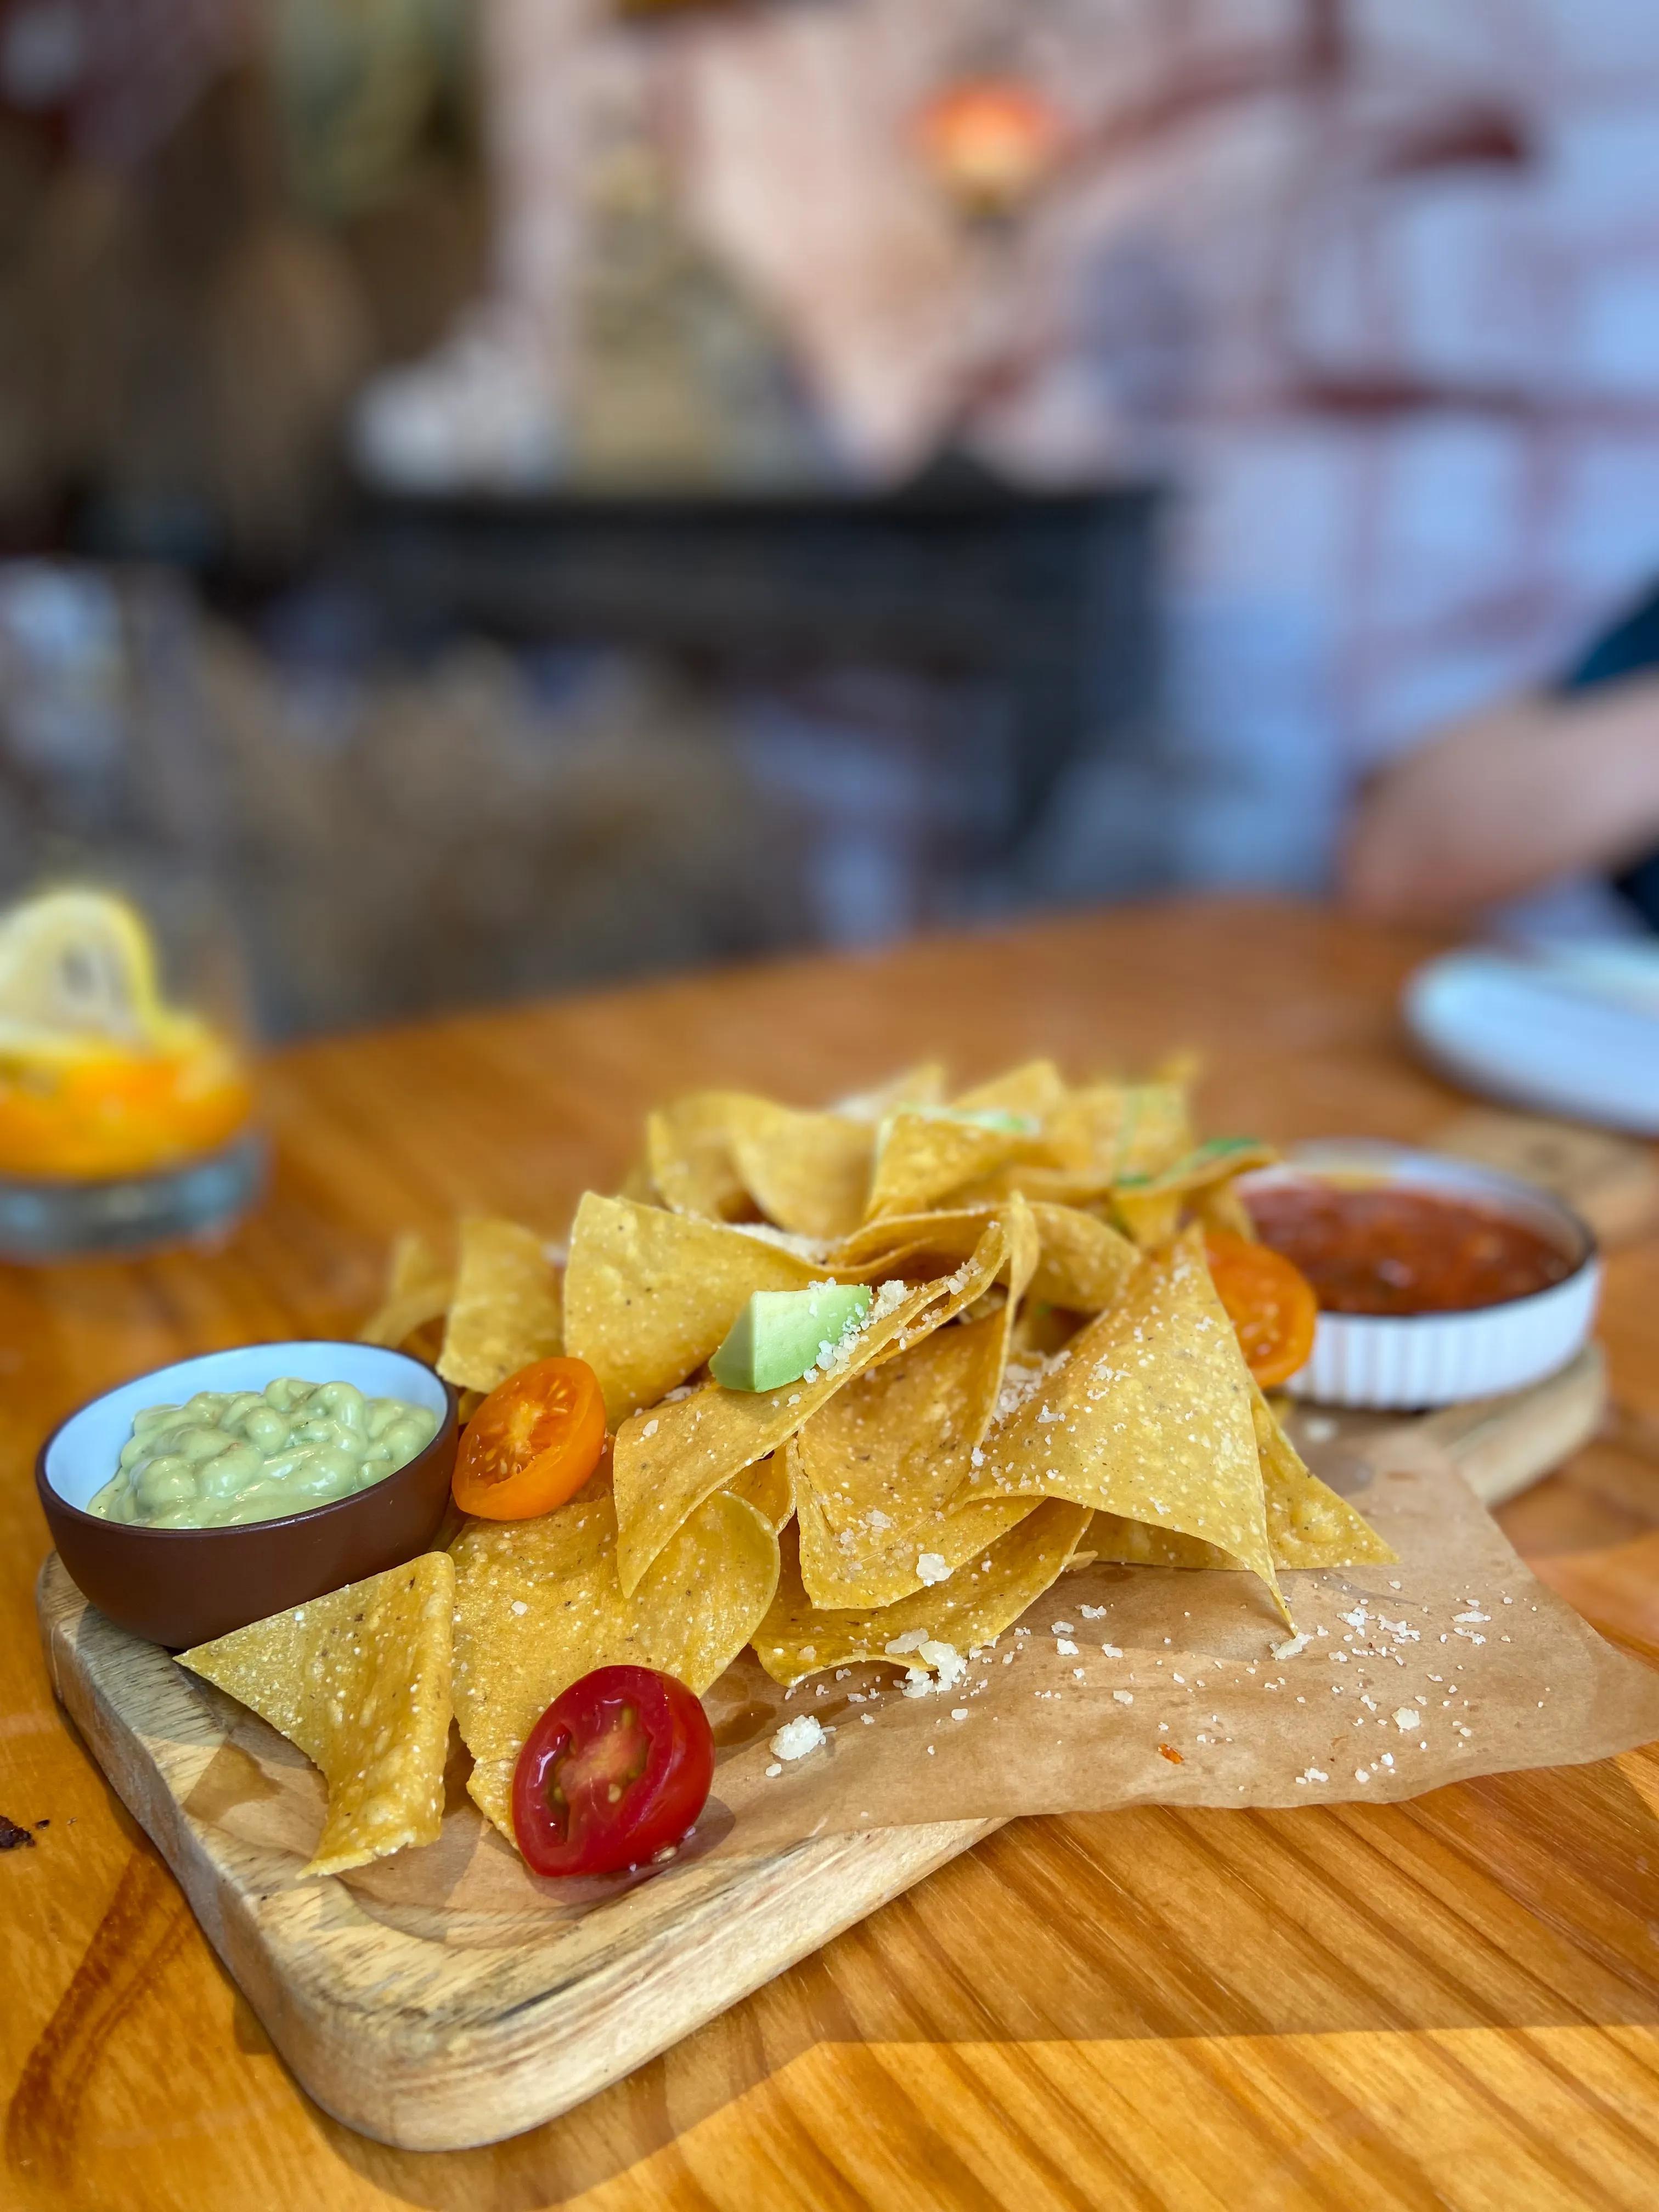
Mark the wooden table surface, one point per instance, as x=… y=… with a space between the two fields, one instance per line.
x=1459 y=2007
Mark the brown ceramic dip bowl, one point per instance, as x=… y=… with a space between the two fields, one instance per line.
x=182 y=1586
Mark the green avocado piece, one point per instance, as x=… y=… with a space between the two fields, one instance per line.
x=780 y=1334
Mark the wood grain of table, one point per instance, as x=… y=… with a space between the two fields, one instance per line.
x=1451 y=2003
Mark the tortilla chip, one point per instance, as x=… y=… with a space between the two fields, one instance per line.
x=361 y=1680
x=925 y=1157
x=939 y=1232
x=537 y=1605
x=922 y=1085
x=1219 y=1206
x=506 y=1312
x=978 y=1602
x=667 y=1461
x=1309 y=1525
x=874 y=1471
x=1084 y=1264
x=649 y=1296
x=1035 y=1089
x=768 y=1487
x=1147 y=1414
x=688 y=1152
x=808 y=1173
x=1104 y=1131
x=640 y=1185
x=417 y=1291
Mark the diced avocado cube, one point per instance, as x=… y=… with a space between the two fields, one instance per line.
x=780 y=1334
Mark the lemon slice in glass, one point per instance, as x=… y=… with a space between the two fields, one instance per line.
x=76 y=968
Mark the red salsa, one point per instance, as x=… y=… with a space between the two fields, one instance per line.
x=1374 y=1249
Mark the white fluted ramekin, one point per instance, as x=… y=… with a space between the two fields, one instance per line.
x=1436 y=1359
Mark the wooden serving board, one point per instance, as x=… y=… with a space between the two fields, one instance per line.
x=438 y=2026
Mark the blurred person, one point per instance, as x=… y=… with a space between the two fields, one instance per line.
x=1548 y=789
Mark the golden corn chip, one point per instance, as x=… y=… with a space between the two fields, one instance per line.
x=687 y=1155
x=1308 y=1524
x=507 y=1307
x=1083 y=1262
x=1219 y=1206
x=1103 y=1131
x=975 y=1605
x=768 y=1486
x=924 y=1157
x=1147 y=1414
x=808 y=1173
x=874 y=1471
x=640 y=1185
x=669 y=1459
x=1149 y=1207
x=1216 y=1160
x=942 y=1233
x=1151 y=1218
x=922 y=1085
x=1035 y=1090
x=649 y=1296
x=418 y=1291
x=360 y=1680
x=537 y=1605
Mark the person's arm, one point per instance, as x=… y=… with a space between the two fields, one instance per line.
x=1509 y=800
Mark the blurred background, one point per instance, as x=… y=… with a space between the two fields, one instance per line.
x=505 y=494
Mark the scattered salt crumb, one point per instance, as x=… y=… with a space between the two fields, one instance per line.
x=1063 y=1627
x=796 y=1738
x=932 y=1568
x=1124 y=1697
x=1093 y=1611
x=650 y=1428
x=1064 y=1647
x=1291 y=1647
x=1362 y=1774
x=1406 y=1717
x=1112 y=1650
x=774 y=1769
x=1314 y=1774
x=519 y=1606
x=958 y=1712
x=869 y=1719
x=1471 y=1616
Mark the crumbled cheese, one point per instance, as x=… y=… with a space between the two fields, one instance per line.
x=796 y=1738
x=912 y=1640
x=942 y=1668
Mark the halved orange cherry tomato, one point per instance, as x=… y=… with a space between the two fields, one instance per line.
x=533 y=1443
x=1270 y=1301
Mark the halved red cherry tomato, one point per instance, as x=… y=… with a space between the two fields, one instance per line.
x=533 y=1443
x=617 y=1769
x=1271 y=1303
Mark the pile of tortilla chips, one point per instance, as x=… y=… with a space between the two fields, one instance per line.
x=1045 y=1375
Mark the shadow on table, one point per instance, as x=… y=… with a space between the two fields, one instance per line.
x=1519 y=1902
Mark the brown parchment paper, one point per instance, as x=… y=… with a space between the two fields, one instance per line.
x=1122 y=1685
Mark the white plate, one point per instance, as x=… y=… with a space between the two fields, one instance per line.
x=1530 y=1035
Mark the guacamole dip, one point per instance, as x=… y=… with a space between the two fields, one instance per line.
x=230 y=1456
